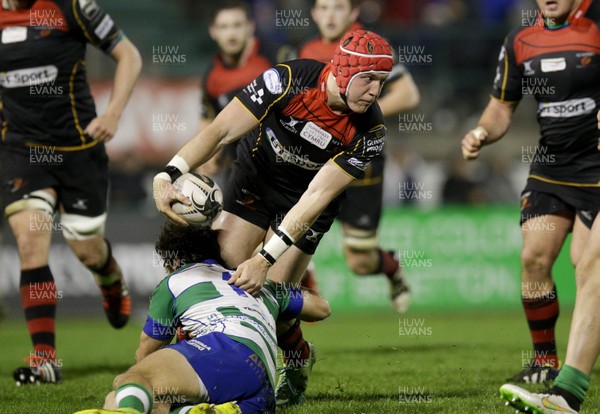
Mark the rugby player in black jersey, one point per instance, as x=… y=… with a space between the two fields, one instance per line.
x=309 y=130
x=573 y=381
x=361 y=212
x=52 y=155
x=556 y=60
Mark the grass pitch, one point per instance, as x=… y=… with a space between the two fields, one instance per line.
x=380 y=363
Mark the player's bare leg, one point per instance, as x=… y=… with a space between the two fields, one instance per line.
x=238 y=238
x=364 y=257
x=31 y=222
x=95 y=253
x=573 y=381
x=543 y=238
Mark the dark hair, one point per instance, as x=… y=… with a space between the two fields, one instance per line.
x=187 y=244
x=231 y=4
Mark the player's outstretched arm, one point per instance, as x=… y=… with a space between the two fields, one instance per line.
x=402 y=95
x=230 y=125
x=147 y=346
x=329 y=182
x=492 y=126
x=129 y=66
x=314 y=307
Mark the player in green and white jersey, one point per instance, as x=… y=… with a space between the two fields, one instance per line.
x=226 y=360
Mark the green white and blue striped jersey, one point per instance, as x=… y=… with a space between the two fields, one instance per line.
x=198 y=298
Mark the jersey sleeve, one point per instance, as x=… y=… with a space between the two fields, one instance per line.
x=398 y=71
x=507 y=83
x=161 y=323
x=94 y=25
x=356 y=158
x=267 y=91
x=289 y=299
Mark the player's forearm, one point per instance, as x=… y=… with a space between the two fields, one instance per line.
x=496 y=119
x=403 y=95
x=147 y=346
x=314 y=307
x=329 y=182
x=129 y=66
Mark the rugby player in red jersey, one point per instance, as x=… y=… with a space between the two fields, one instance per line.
x=307 y=130
x=555 y=60
x=237 y=63
x=361 y=212
x=52 y=155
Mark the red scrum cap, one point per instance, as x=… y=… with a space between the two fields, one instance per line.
x=360 y=51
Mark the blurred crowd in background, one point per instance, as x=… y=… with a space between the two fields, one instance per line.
x=457 y=42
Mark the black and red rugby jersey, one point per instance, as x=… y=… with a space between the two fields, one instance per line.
x=560 y=69
x=299 y=132
x=222 y=83
x=45 y=97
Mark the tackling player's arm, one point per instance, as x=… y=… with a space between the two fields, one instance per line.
x=148 y=345
x=327 y=184
x=230 y=125
x=314 y=307
x=129 y=66
x=402 y=95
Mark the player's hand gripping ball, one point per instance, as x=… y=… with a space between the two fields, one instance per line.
x=206 y=198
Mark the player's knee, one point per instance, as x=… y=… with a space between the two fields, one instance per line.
x=360 y=263
x=536 y=263
x=586 y=269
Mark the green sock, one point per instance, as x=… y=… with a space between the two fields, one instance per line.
x=574 y=381
x=134 y=396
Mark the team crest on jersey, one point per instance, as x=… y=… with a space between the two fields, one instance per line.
x=273 y=81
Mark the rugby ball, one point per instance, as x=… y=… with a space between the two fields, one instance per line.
x=206 y=198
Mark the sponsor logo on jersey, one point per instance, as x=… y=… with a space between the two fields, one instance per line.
x=527 y=69
x=255 y=95
x=273 y=81
x=28 y=77
x=313 y=236
x=566 y=109
x=14 y=35
x=285 y=156
x=315 y=135
x=291 y=124
x=355 y=162
x=374 y=141
x=554 y=64
x=104 y=28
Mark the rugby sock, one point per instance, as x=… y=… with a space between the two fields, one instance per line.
x=295 y=349
x=542 y=313
x=39 y=297
x=388 y=264
x=109 y=273
x=134 y=396
x=117 y=301
x=572 y=384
